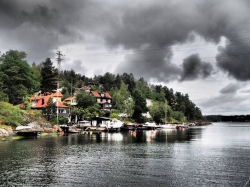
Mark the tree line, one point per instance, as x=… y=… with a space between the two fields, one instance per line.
x=19 y=81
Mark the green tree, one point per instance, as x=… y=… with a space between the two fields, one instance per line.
x=65 y=94
x=158 y=111
x=142 y=86
x=18 y=78
x=139 y=107
x=93 y=111
x=129 y=80
x=120 y=97
x=63 y=120
x=84 y=100
x=107 y=80
x=50 y=111
x=49 y=76
x=160 y=96
x=37 y=75
x=79 y=112
x=3 y=96
x=129 y=105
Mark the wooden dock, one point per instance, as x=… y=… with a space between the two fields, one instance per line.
x=92 y=128
x=28 y=132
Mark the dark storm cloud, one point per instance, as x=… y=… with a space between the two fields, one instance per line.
x=230 y=88
x=150 y=65
x=166 y=23
x=194 y=68
x=234 y=59
x=38 y=27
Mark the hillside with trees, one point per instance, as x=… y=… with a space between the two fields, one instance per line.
x=19 y=80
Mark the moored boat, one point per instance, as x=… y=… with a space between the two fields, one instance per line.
x=151 y=126
x=128 y=127
x=168 y=126
x=180 y=127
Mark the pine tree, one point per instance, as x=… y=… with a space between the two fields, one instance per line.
x=49 y=77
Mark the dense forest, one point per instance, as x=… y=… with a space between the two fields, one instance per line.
x=19 y=81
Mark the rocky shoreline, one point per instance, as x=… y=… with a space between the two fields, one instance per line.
x=45 y=127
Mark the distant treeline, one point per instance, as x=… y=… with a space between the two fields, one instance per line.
x=234 y=118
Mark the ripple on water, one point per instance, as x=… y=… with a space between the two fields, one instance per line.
x=198 y=157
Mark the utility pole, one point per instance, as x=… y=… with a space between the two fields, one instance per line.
x=59 y=59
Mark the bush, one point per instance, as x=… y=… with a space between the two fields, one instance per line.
x=10 y=115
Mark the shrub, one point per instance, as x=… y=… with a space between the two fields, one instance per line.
x=10 y=115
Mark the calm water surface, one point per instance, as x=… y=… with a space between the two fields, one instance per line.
x=216 y=155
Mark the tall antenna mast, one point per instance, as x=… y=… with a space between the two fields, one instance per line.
x=59 y=59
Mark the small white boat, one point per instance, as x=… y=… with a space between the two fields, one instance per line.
x=151 y=125
x=83 y=124
x=168 y=126
x=23 y=128
x=115 y=124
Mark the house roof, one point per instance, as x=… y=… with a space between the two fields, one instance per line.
x=61 y=105
x=96 y=94
x=42 y=101
x=57 y=94
x=69 y=98
x=107 y=95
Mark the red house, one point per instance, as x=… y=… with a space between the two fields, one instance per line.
x=41 y=101
x=103 y=99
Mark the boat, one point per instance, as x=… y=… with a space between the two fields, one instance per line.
x=141 y=127
x=114 y=124
x=105 y=123
x=128 y=127
x=168 y=126
x=70 y=129
x=83 y=124
x=96 y=129
x=180 y=127
x=151 y=126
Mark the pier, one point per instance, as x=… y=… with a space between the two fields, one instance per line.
x=28 y=132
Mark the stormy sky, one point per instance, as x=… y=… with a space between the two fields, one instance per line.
x=197 y=47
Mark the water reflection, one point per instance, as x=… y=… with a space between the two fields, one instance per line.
x=204 y=156
x=142 y=136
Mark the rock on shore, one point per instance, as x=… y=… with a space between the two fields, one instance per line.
x=42 y=126
x=6 y=132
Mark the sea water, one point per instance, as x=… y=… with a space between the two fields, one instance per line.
x=214 y=155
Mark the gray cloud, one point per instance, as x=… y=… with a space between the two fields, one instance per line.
x=40 y=27
x=194 y=68
x=225 y=104
x=234 y=59
x=149 y=65
x=230 y=88
x=245 y=91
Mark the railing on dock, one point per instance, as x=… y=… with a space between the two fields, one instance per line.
x=247 y=183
